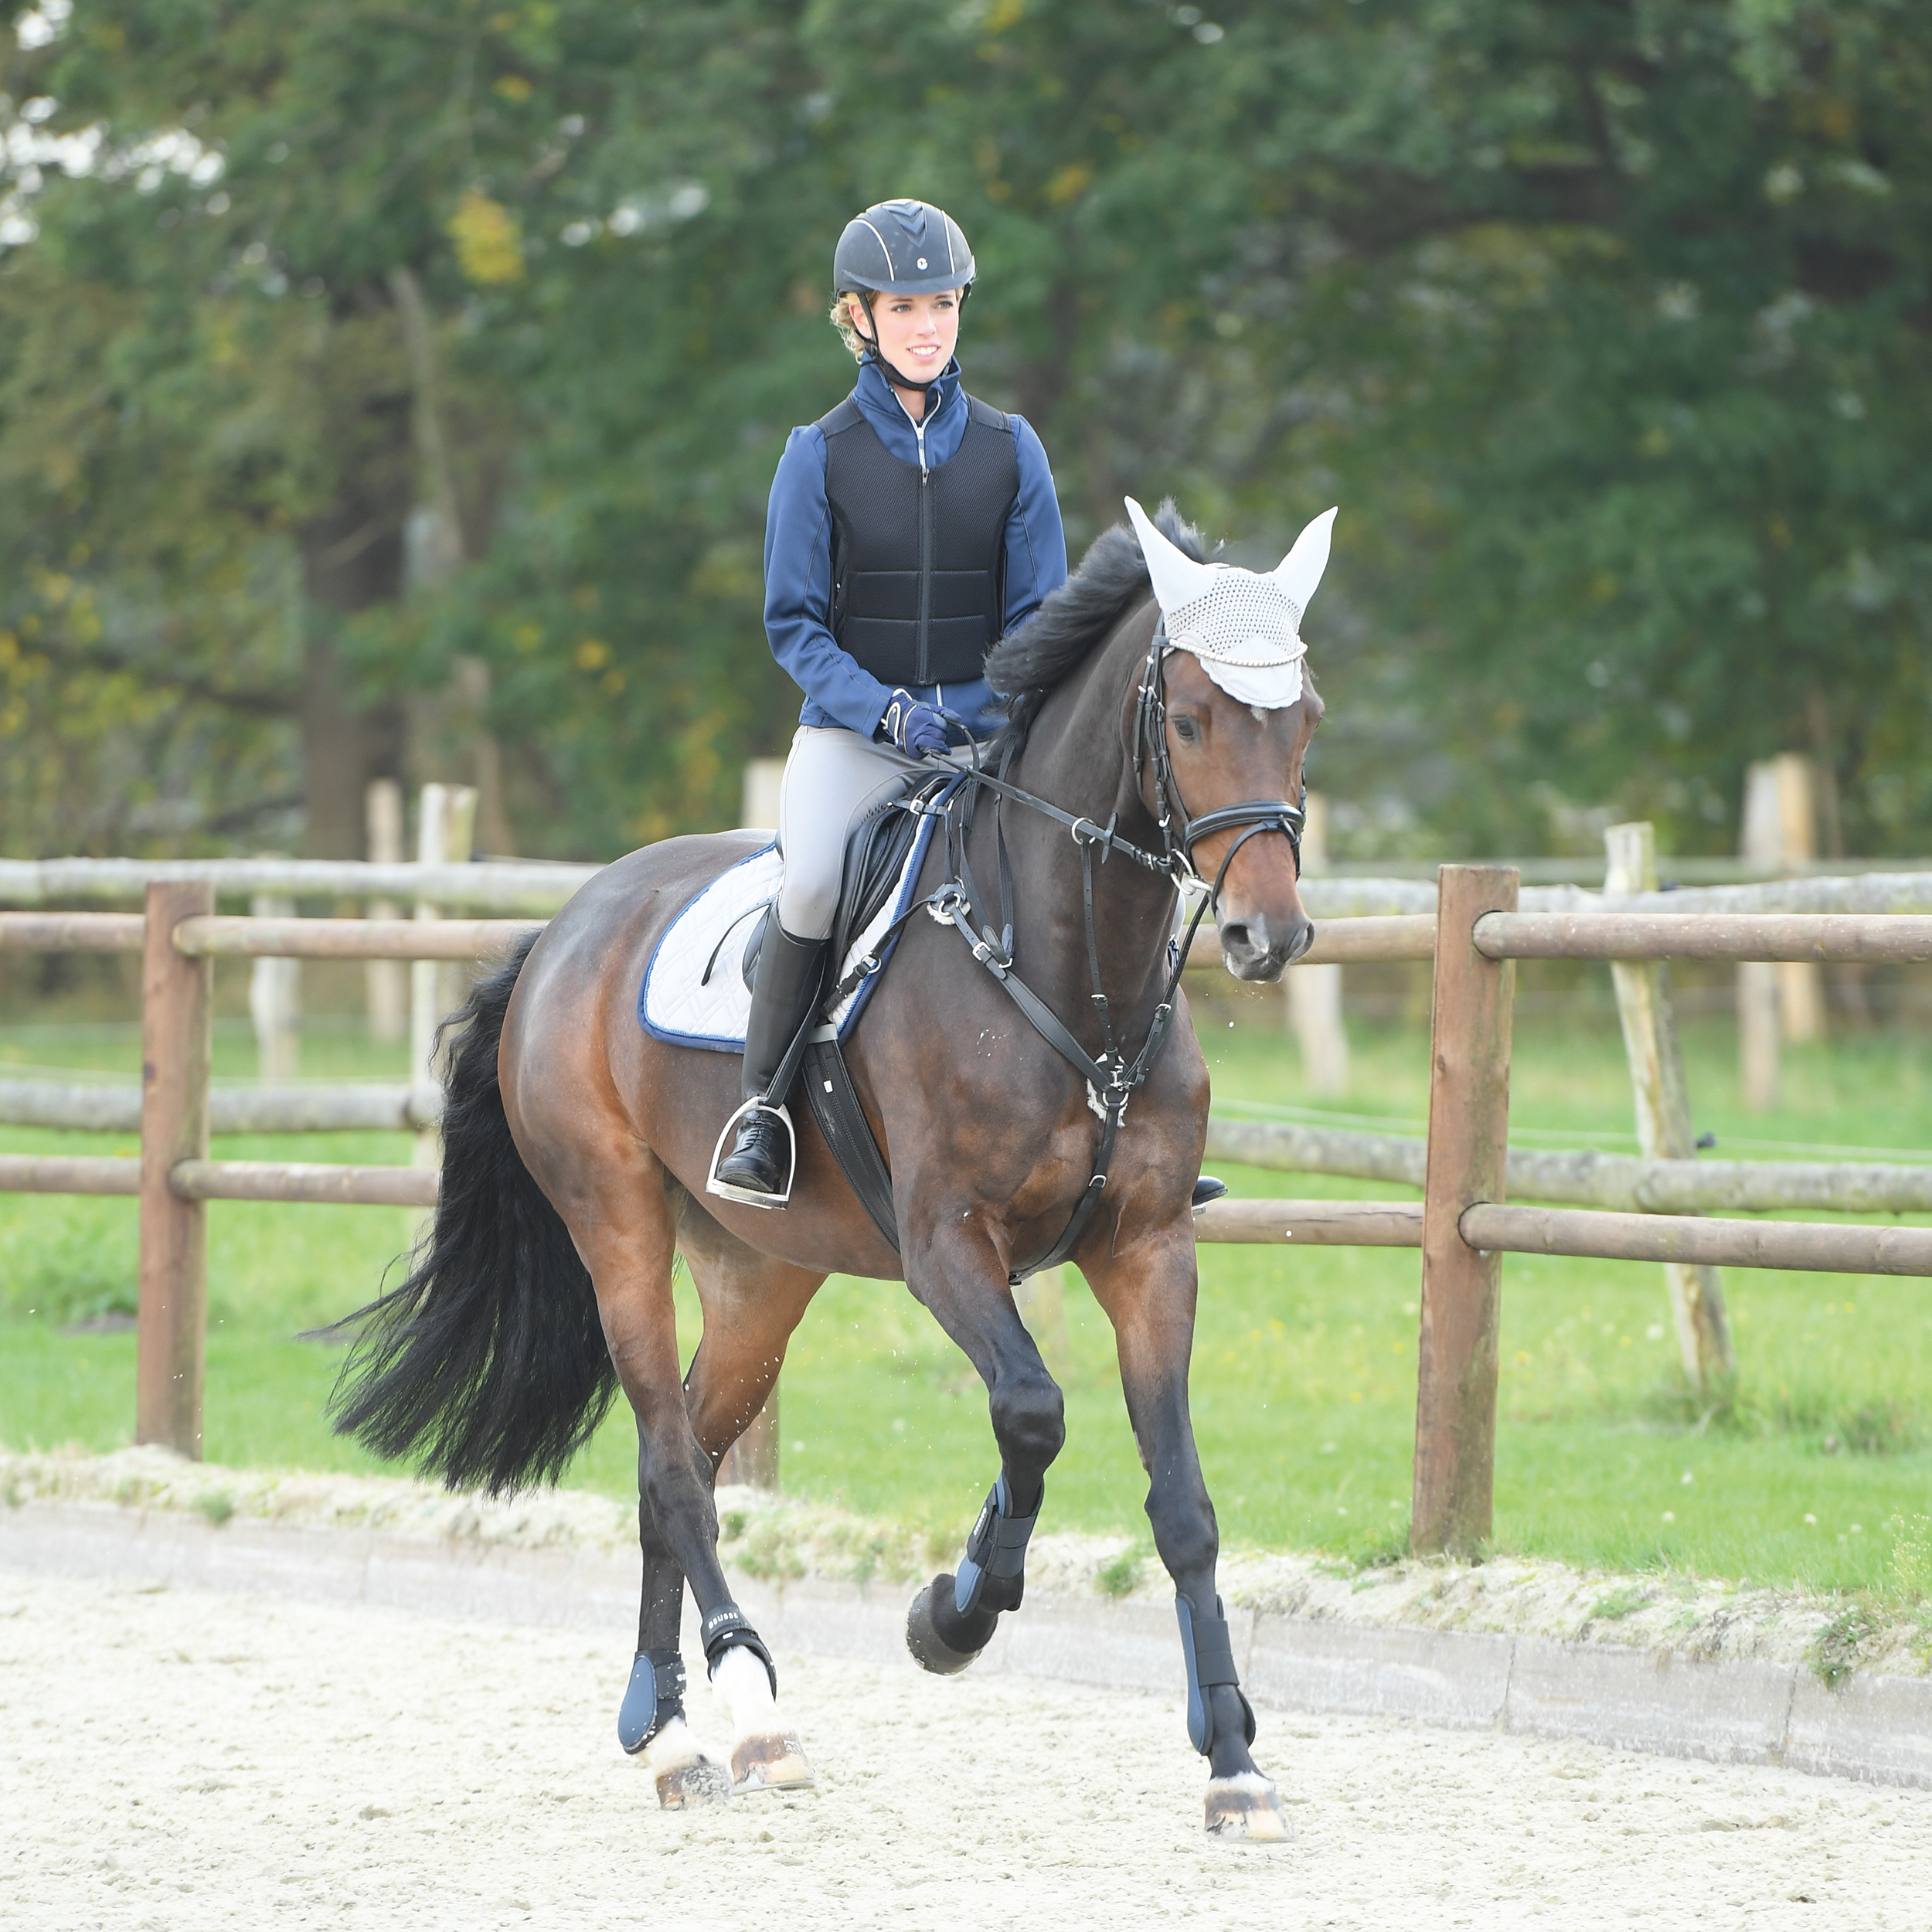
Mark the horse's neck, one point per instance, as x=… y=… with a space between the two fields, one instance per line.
x=1078 y=756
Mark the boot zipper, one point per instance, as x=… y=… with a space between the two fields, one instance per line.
x=922 y=671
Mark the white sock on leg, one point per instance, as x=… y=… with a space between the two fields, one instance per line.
x=741 y=1680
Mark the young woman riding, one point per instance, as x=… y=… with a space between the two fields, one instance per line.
x=908 y=531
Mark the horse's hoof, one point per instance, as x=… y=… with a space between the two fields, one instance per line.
x=929 y=1648
x=699 y=1781
x=774 y=1762
x=1247 y=1805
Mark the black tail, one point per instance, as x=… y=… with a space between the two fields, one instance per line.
x=488 y=1366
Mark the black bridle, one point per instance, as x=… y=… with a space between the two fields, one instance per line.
x=1252 y=815
x=1112 y=1080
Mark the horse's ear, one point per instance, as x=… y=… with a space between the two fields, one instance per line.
x=1178 y=579
x=1299 y=573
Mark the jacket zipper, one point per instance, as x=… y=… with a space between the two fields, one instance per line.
x=921 y=668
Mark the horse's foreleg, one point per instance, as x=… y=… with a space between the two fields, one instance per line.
x=962 y=1280
x=1148 y=1293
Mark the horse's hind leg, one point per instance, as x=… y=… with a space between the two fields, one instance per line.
x=615 y=1199
x=650 y=1720
x=752 y=1303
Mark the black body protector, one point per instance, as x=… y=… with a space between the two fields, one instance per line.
x=919 y=554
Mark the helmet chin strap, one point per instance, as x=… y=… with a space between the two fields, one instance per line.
x=872 y=354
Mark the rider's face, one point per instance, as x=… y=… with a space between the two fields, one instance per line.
x=917 y=334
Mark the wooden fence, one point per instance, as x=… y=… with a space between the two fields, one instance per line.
x=1463 y=1225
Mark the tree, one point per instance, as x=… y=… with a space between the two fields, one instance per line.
x=381 y=381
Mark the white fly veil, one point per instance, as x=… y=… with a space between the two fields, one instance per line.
x=1244 y=626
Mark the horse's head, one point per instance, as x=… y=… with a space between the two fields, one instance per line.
x=1236 y=714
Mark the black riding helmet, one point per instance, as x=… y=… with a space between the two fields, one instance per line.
x=901 y=248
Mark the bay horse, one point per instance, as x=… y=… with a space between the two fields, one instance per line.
x=576 y=1147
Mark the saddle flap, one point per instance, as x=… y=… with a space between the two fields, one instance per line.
x=876 y=855
x=697 y=988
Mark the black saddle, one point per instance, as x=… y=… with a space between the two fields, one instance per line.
x=874 y=856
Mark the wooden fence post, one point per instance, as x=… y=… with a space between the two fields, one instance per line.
x=1662 y=1100
x=763 y=779
x=388 y=979
x=1041 y=1300
x=275 y=1000
x=1801 y=983
x=1778 y=831
x=176 y=1011
x=1451 y=1507
x=1314 y=992
x=443 y=837
x=754 y=1458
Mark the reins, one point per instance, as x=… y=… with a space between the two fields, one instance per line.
x=1112 y=1080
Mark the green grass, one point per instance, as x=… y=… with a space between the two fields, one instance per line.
x=1305 y=1364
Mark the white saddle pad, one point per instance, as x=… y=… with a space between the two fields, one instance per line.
x=678 y=1002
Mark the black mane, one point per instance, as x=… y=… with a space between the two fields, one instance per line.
x=1111 y=579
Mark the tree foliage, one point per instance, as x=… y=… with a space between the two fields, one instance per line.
x=344 y=348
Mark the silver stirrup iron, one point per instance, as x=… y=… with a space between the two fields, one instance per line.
x=745 y=1195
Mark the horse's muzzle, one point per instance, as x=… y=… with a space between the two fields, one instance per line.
x=1253 y=949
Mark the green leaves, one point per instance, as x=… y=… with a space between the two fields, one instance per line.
x=1606 y=327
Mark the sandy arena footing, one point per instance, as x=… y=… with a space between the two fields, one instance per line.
x=179 y=1758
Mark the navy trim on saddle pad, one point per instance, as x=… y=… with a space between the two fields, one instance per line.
x=714 y=1043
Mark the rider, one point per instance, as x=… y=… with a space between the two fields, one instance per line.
x=908 y=531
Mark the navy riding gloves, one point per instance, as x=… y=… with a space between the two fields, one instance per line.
x=913 y=727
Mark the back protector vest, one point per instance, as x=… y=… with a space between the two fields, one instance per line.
x=919 y=557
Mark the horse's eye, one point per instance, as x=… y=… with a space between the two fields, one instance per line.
x=1186 y=731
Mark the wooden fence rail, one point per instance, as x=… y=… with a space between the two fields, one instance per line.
x=1477 y=929
x=1587 y=1177
x=68 y=1174
x=1824 y=1247
x=348 y=1107
x=453 y=939
x=501 y=887
x=203 y=1180
x=1895 y=937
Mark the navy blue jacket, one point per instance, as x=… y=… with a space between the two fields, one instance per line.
x=798 y=555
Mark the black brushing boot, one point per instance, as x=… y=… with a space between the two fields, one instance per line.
x=789 y=973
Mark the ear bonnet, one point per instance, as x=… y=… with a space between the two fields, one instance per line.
x=1245 y=626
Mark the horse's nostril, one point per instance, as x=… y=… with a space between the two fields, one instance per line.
x=1235 y=938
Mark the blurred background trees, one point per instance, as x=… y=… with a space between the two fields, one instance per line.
x=394 y=391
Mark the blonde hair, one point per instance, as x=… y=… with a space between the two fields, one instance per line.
x=841 y=319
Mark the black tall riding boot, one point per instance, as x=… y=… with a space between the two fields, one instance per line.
x=788 y=977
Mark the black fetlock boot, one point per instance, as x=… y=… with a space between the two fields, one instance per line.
x=789 y=972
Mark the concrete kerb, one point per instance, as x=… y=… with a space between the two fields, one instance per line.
x=1873 y=1727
